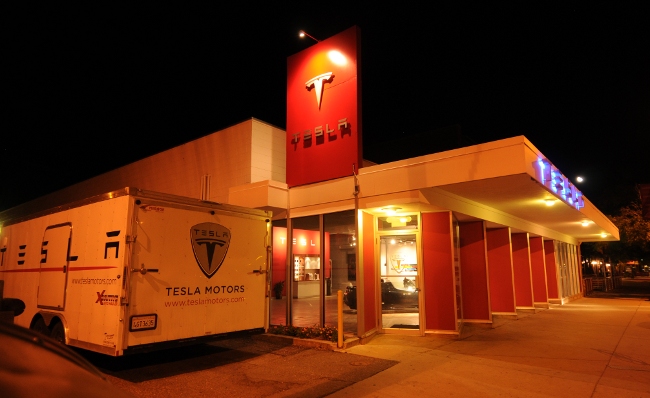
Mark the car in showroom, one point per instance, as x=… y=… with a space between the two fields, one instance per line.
x=391 y=297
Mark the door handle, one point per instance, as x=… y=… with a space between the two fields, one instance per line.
x=144 y=270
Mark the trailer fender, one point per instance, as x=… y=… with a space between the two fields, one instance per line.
x=59 y=329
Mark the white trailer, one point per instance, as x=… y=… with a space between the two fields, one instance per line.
x=133 y=270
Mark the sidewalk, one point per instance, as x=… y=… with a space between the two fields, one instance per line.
x=591 y=347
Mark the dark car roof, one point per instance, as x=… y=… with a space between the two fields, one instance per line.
x=34 y=365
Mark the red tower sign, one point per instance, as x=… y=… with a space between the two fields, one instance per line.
x=323 y=110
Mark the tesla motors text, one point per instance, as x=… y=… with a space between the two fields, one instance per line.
x=190 y=291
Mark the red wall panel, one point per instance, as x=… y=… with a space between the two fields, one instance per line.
x=369 y=280
x=474 y=276
x=521 y=269
x=551 y=270
x=502 y=295
x=538 y=270
x=438 y=266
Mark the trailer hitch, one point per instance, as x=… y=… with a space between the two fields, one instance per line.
x=144 y=270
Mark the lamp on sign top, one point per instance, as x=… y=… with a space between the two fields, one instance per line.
x=302 y=33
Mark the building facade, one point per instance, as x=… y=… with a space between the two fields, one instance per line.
x=420 y=246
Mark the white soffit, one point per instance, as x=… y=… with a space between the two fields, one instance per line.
x=523 y=197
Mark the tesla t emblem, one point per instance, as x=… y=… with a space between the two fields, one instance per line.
x=317 y=84
x=210 y=244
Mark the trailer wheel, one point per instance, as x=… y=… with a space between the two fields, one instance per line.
x=58 y=332
x=39 y=326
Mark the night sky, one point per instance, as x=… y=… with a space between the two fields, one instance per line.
x=90 y=88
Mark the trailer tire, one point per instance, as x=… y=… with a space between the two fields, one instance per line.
x=39 y=326
x=58 y=332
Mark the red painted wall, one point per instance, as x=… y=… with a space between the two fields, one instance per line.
x=551 y=270
x=538 y=270
x=502 y=295
x=521 y=268
x=438 y=271
x=369 y=281
x=474 y=276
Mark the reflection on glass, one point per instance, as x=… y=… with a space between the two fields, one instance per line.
x=341 y=270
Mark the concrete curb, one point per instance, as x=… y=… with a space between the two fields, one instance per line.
x=310 y=343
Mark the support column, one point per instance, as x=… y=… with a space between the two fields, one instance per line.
x=538 y=269
x=521 y=267
x=438 y=269
x=501 y=277
x=474 y=273
x=367 y=321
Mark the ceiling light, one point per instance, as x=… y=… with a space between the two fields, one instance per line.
x=603 y=235
x=390 y=211
x=586 y=223
x=549 y=202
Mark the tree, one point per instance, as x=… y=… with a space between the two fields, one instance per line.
x=634 y=232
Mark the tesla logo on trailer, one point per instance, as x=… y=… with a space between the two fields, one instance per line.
x=210 y=244
x=317 y=83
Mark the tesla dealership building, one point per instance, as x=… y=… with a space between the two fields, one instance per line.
x=420 y=245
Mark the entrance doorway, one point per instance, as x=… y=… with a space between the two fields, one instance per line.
x=399 y=282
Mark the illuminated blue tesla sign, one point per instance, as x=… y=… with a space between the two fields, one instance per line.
x=560 y=185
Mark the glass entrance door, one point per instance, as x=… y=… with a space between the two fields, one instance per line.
x=399 y=282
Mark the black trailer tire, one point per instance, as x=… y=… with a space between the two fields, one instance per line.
x=39 y=326
x=58 y=332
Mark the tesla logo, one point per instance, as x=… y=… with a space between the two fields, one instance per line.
x=317 y=84
x=210 y=244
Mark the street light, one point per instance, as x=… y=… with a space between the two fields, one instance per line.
x=302 y=33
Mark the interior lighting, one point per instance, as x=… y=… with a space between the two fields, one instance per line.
x=549 y=202
x=586 y=223
x=392 y=241
x=302 y=34
x=603 y=235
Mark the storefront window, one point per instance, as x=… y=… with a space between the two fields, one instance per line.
x=397 y=222
x=567 y=262
x=307 y=270
x=316 y=273
x=341 y=270
x=399 y=281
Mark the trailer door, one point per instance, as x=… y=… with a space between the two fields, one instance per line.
x=196 y=273
x=54 y=266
